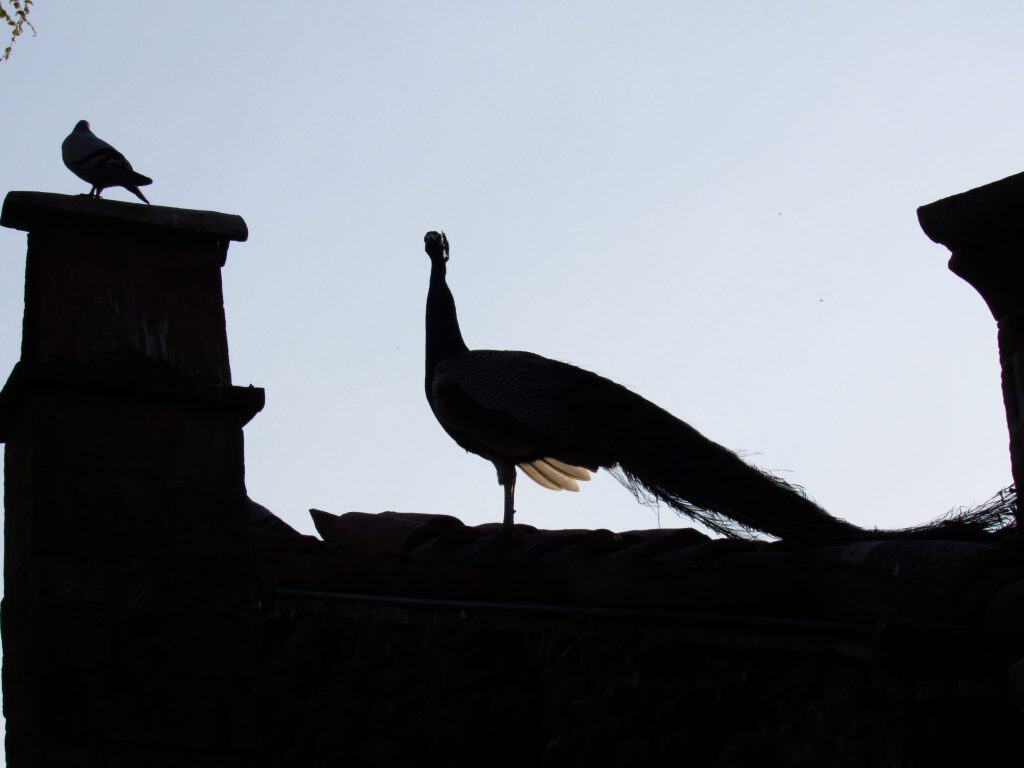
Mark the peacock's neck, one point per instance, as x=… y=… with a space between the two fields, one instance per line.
x=444 y=339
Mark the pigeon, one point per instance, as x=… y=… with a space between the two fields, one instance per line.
x=92 y=159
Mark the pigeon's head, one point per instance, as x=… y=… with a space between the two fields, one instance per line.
x=82 y=125
x=436 y=245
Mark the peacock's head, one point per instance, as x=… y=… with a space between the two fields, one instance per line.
x=436 y=245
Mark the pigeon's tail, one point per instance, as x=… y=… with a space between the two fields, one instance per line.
x=139 y=180
x=137 y=192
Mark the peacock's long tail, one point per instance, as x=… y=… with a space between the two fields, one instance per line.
x=661 y=458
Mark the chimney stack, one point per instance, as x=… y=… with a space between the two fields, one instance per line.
x=125 y=557
x=984 y=230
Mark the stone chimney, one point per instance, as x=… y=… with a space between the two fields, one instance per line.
x=984 y=230
x=126 y=578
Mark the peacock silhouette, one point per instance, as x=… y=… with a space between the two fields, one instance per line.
x=558 y=423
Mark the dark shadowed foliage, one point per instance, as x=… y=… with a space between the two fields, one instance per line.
x=377 y=694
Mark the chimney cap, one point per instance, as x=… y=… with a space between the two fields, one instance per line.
x=982 y=215
x=29 y=211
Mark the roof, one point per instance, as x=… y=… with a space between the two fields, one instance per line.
x=667 y=571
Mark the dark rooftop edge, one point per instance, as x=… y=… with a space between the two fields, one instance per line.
x=438 y=560
x=28 y=211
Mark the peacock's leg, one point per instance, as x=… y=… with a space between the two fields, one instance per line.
x=507 y=479
x=510 y=492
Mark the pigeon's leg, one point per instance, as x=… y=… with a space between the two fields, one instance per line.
x=92 y=191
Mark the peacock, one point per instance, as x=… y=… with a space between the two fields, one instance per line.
x=557 y=424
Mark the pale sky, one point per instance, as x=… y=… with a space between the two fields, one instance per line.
x=711 y=203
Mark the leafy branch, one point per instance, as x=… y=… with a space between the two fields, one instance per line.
x=14 y=13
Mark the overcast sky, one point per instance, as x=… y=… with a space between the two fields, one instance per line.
x=711 y=203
